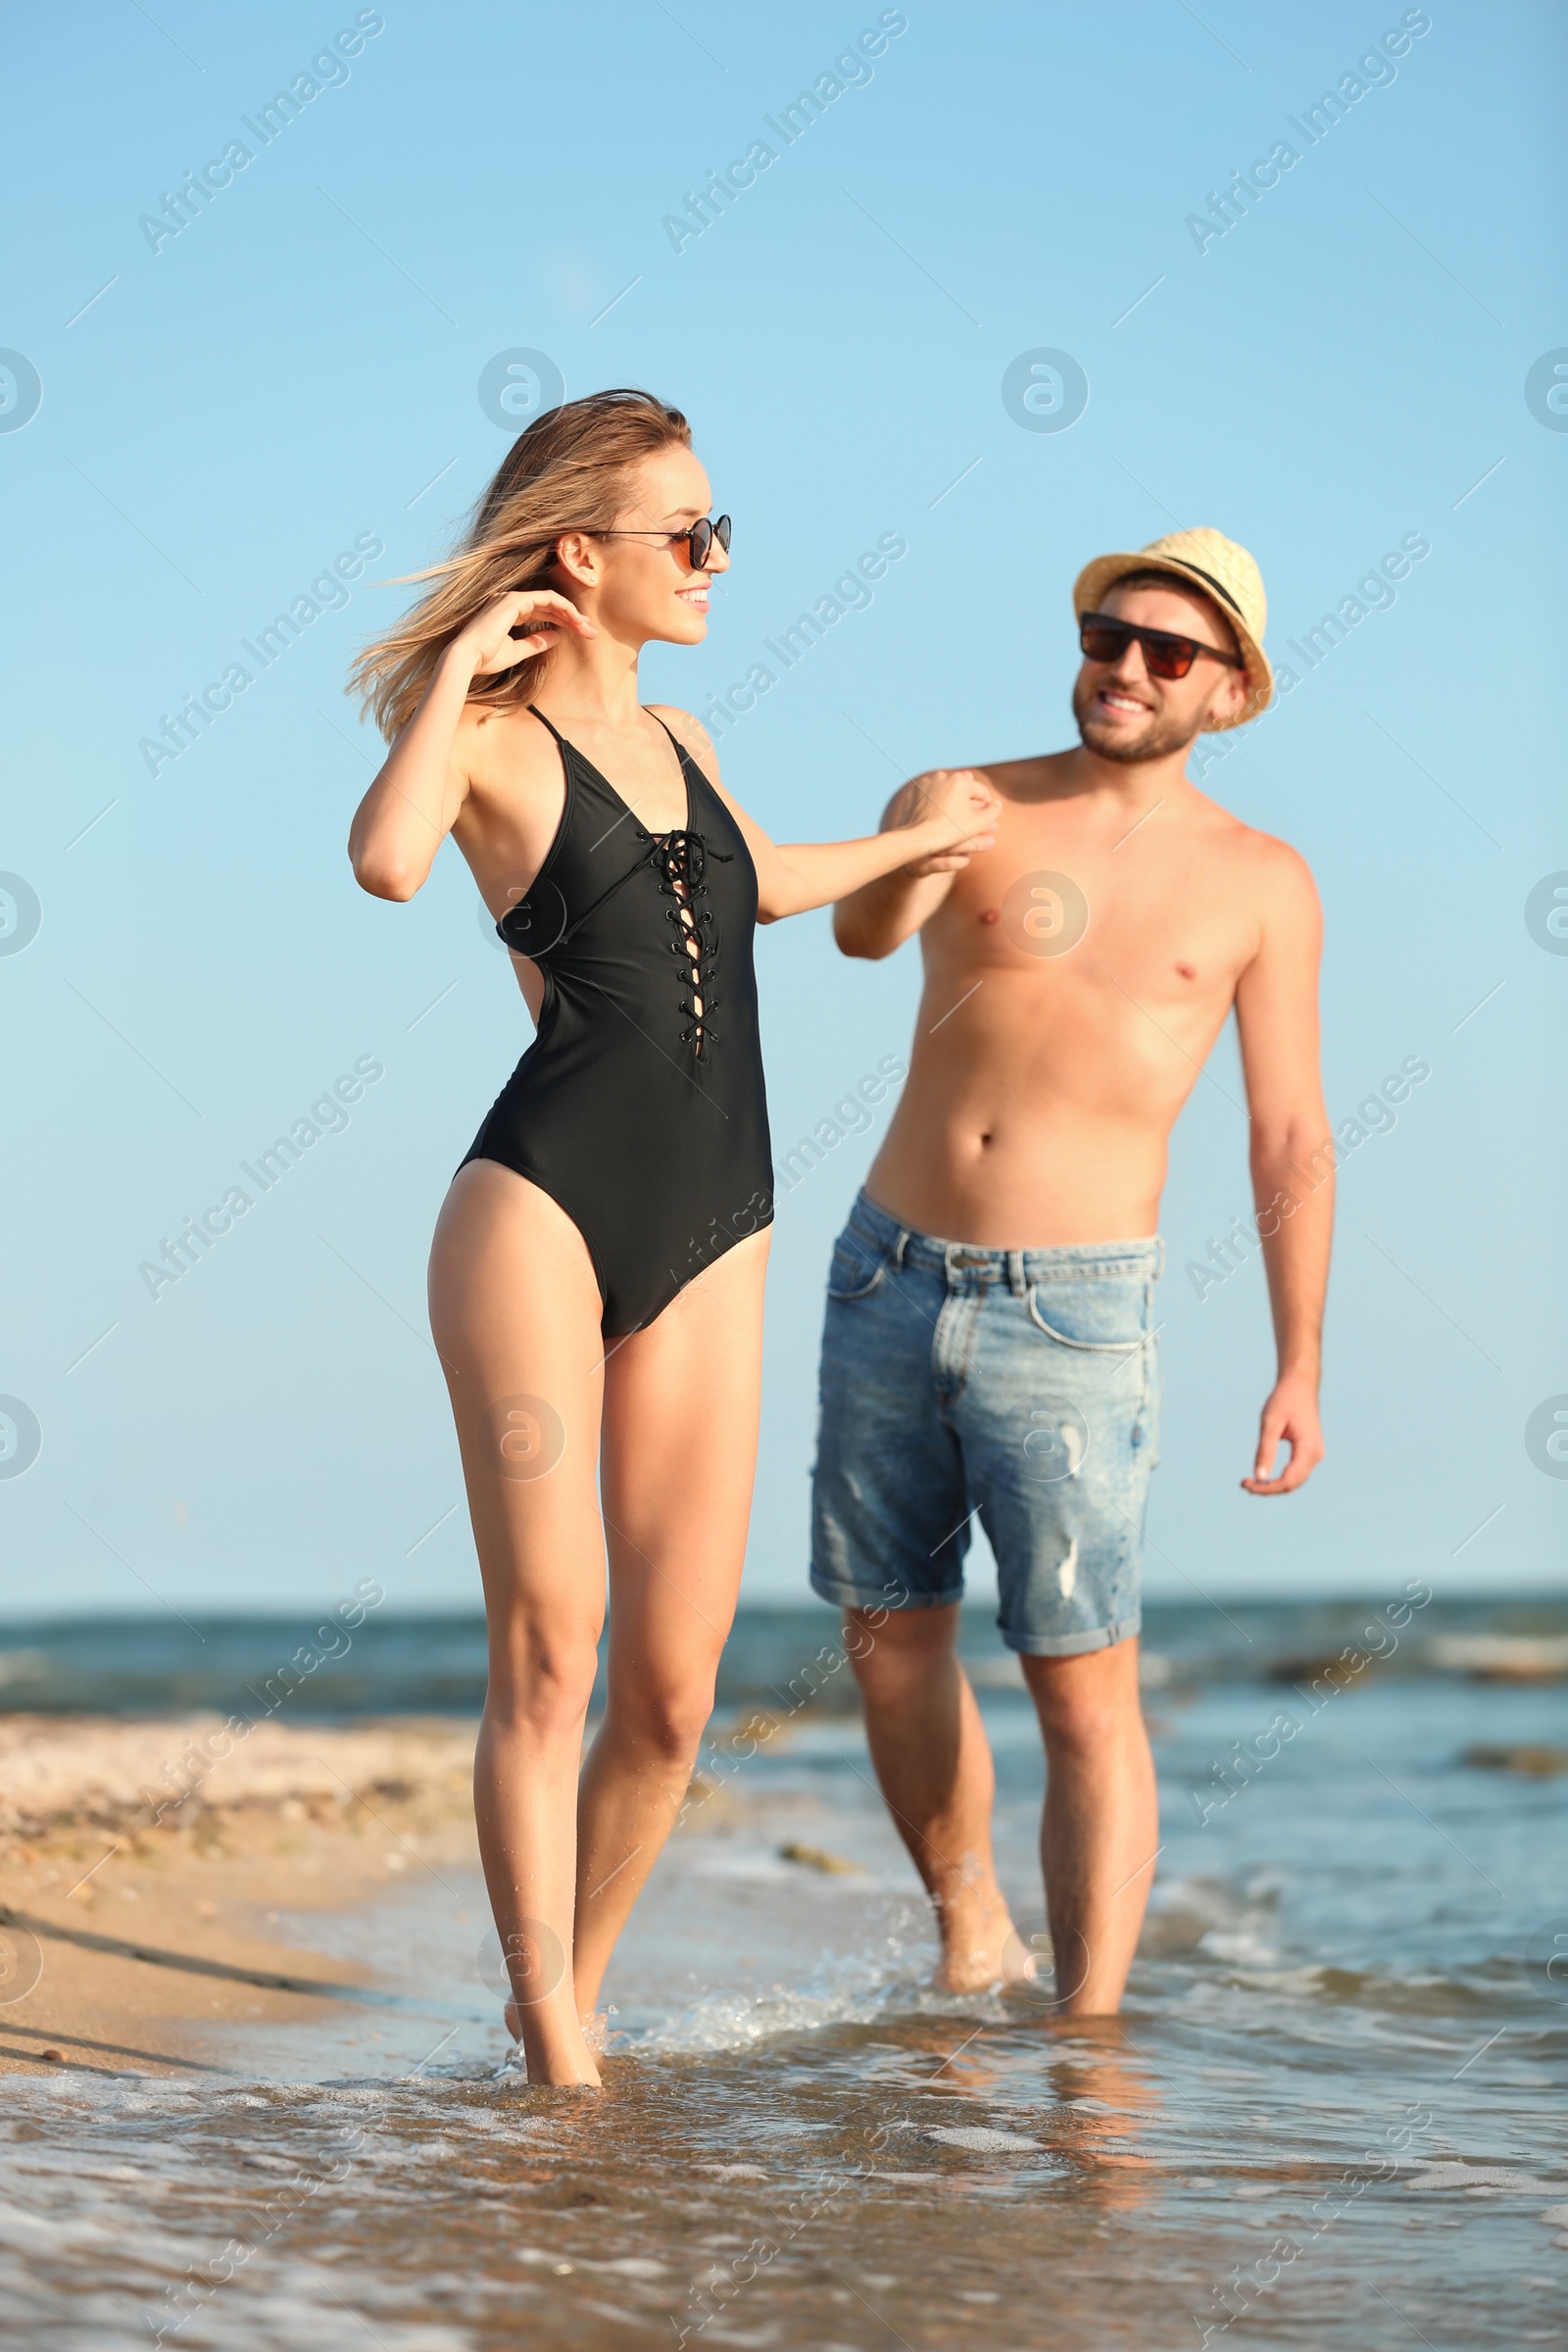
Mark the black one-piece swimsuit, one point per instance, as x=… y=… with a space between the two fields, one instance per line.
x=640 y=1105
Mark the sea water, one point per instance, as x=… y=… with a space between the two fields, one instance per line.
x=1331 y=2116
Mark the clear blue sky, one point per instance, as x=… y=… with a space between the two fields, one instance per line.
x=228 y=409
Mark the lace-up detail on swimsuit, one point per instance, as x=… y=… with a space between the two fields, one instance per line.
x=625 y=1108
x=679 y=859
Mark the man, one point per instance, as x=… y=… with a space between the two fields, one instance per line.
x=1077 y=974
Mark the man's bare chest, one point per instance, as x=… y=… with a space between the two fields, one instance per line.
x=1164 y=908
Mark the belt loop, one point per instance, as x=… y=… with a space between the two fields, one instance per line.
x=1015 y=1278
x=899 y=1247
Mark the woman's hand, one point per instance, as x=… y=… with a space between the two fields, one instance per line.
x=523 y=622
x=953 y=811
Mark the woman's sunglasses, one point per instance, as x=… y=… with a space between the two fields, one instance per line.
x=1104 y=639
x=699 y=539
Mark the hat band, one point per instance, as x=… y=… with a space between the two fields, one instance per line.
x=1218 y=588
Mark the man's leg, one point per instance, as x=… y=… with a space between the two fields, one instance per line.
x=934 y=1766
x=1100 y=1825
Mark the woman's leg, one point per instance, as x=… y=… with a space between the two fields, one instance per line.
x=681 y=1406
x=514 y=1311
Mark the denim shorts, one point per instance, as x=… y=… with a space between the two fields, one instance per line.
x=1023 y=1384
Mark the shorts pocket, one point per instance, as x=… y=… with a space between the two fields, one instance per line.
x=858 y=1266
x=1104 y=1325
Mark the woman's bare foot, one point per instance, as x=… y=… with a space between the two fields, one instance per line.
x=564 y=2069
x=981 y=1947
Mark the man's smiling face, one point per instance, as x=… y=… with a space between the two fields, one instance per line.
x=1126 y=715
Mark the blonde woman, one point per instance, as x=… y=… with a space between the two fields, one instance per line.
x=596 y=1281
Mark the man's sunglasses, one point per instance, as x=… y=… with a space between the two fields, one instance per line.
x=1105 y=639
x=699 y=539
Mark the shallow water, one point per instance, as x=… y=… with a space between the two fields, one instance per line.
x=1333 y=2117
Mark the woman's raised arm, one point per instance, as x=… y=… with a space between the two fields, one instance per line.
x=413 y=802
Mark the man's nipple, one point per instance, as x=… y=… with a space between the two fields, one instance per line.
x=990 y=914
x=1188 y=971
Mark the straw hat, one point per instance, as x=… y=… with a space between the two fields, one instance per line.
x=1224 y=571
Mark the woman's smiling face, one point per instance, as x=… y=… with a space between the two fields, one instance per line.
x=643 y=586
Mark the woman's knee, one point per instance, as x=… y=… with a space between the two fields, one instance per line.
x=664 y=1716
x=543 y=1679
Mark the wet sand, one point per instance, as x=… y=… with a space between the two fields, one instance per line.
x=141 y=1931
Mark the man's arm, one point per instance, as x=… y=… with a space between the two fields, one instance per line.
x=881 y=916
x=1291 y=1158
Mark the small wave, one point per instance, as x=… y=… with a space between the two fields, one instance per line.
x=984 y=2142
x=1500 y=2177
x=857 y=1990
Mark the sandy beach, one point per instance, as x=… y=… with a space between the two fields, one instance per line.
x=138 y=1928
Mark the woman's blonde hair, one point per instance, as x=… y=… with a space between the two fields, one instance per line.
x=567 y=472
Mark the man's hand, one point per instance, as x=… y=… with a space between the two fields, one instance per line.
x=1290 y=1417
x=958 y=808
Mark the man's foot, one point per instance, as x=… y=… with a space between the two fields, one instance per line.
x=980 y=1950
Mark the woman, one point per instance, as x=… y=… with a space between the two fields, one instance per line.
x=596 y=1281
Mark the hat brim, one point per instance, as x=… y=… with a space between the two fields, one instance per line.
x=1103 y=572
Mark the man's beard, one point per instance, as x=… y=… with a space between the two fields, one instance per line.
x=1159 y=738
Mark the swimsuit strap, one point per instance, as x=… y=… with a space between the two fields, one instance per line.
x=681 y=752
x=724 y=857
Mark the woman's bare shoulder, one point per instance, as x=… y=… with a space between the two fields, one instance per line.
x=690 y=733
x=504 y=747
